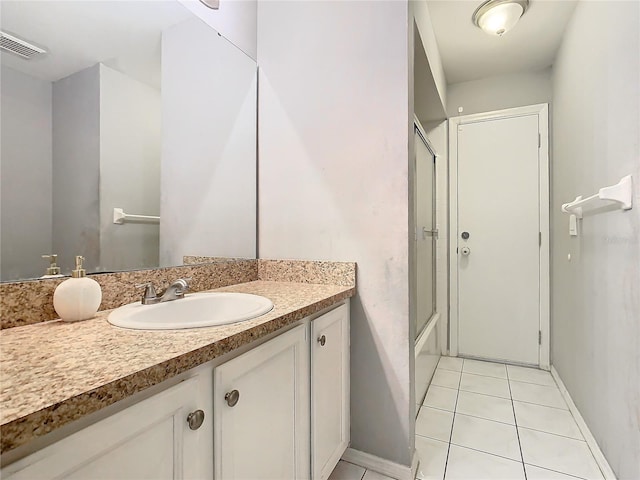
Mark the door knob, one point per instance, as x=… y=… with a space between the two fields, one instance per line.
x=322 y=340
x=195 y=419
x=465 y=235
x=232 y=397
x=465 y=251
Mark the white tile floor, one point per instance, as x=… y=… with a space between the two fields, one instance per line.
x=348 y=471
x=484 y=420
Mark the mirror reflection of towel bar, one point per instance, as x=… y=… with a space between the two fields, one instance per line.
x=119 y=217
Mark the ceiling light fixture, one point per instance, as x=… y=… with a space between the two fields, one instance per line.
x=497 y=17
x=213 y=4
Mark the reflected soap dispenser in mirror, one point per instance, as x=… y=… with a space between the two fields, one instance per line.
x=53 y=271
x=79 y=297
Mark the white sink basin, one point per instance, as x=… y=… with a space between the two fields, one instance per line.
x=193 y=311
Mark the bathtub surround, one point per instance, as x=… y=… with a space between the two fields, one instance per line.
x=595 y=297
x=25 y=303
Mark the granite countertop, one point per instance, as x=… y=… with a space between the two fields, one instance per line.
x=55 y=372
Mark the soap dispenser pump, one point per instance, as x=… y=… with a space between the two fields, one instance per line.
x=54 y=270
x=79 y=297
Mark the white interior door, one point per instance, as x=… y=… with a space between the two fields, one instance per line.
x=425 y=232
x=498 y=246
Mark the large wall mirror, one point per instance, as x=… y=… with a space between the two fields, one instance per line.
x=132 y=105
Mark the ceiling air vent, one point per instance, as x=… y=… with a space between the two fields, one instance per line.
x=18 y=46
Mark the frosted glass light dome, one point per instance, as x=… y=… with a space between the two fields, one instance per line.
x=496 y=17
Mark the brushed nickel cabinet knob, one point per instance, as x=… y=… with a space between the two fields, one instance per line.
x=195 y=419
x=232 y=397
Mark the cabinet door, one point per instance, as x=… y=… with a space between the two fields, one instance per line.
x=265 y=435
x=329 y=390
x=150 y=440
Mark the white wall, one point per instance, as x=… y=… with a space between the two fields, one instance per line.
x=428 y=37
x=130 y=138
x=495 y=93
x=208 y=174
x=236 y=20
x=26 y=175
x=333 y=157
x=427 y=103
x=76 y=168
x=596 y=296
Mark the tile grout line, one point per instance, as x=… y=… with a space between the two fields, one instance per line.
x=453 y=421
x=487 y=395
x=491 y=454
x=555 y=471
x=491 y=420
x=554 y=434
x=540 y=404
x=513 y=408
x=504 y=378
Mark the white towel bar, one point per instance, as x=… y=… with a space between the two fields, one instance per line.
x=120 y=217
x=621 y=193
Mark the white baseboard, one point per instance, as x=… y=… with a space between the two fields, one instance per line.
x=584 y=429
x=380 y=465
x=415 y=464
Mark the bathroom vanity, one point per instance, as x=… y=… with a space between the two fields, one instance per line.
x=265 y=398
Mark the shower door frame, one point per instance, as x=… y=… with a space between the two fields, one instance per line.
x=542 y=111
x=422 y=334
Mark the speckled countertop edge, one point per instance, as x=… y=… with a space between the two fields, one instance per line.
x=153 y=357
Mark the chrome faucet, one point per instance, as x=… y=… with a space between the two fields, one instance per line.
x=175 y=291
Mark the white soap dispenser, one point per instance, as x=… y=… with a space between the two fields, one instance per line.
x=79 y=297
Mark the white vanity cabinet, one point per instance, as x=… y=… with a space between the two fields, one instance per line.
x=149 y=440
x=279 y=410
x=261 y=411
x=330 y=420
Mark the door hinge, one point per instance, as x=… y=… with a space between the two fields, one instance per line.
x=539 y=140
x=539 y=337
x=539 y=239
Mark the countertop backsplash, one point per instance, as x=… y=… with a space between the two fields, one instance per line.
x=29 y=302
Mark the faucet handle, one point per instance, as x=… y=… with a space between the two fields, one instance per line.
x=183 y=284
x=149 y=290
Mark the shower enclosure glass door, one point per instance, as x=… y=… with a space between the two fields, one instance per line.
x=426 y=232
